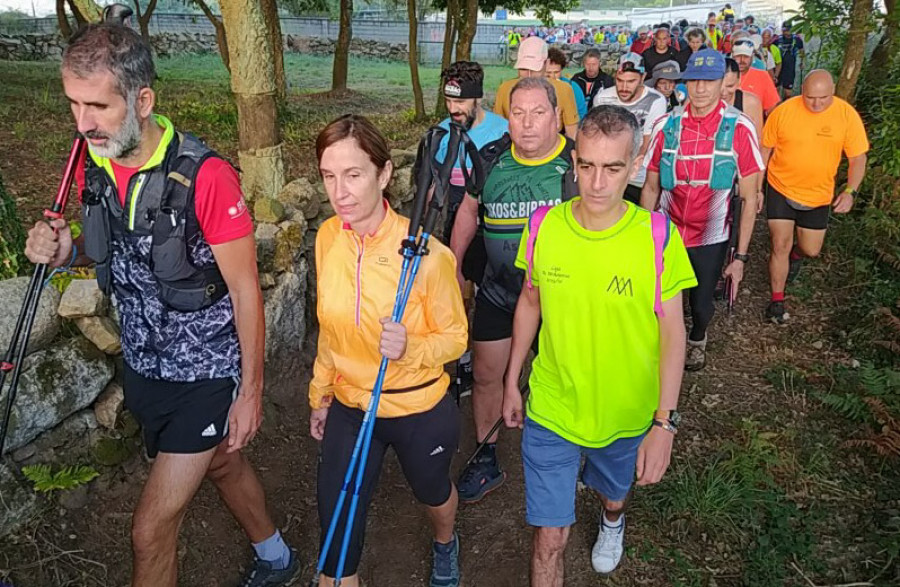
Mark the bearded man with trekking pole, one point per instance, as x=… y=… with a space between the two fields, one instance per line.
x=167 y=226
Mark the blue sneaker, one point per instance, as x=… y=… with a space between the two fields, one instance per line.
x=445 y=564
x=478 y=479
x=261 y=573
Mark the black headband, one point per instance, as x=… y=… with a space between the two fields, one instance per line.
x=455 y=88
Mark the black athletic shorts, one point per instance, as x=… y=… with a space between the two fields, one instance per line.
x=179 y=417
x=425 y=444
x=779 y=207
x=491 y=322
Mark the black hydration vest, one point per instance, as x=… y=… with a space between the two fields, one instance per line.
x=160 y=204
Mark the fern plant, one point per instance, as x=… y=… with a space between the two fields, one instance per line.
x=46 y=481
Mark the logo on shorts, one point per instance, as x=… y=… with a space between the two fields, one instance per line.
x=210 y=430
x=437 y=450
x=622 y=286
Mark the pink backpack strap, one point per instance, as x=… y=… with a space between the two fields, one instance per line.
x=659 y=225
x=534 y=223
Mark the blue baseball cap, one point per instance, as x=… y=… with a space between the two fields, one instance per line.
x=706 y=64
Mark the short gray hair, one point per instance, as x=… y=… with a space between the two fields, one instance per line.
x=592 y=52
x=611 y=120
x=114 y=48
x=695 y=32
x=535 y=83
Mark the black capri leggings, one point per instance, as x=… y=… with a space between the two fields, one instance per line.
x=425 y=444
x=707 y=261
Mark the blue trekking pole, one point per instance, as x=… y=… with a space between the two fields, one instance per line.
x=428 y=174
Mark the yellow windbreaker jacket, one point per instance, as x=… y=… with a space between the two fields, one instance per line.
x=357 y=283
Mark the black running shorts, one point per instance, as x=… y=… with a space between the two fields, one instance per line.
x=180 y=417
x=424 y=443
x=490 y=322
x=778 y=207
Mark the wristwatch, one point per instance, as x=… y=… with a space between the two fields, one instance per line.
x=667 y=419
x=851 y=192
x=743 y=257
x=666 y=425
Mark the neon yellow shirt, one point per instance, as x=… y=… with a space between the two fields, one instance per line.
x=596 y=377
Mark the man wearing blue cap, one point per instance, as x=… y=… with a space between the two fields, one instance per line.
x=694 y=157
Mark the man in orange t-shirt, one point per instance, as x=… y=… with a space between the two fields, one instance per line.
x=803 y=141
x=755 y=81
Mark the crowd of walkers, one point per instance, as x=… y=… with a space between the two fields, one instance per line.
x=606 y=202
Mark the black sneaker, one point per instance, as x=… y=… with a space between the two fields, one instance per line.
x=794 y=267
x=776 y=314
x=445 y=565
x=478 y=479
x=261 y=573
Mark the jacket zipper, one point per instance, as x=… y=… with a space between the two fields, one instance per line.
x=360 y=247
x=132 y=204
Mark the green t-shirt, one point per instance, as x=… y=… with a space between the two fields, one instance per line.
x=596 y=377
x=513 y=190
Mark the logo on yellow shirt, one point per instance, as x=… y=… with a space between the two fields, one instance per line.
x=622 y=286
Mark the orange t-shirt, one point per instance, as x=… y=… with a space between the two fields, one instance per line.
x=807 y=146
x=565 y=101
x=760 y=83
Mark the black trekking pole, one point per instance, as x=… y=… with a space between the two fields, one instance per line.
x=736 y=205
x=493 y=430
x=18 y=343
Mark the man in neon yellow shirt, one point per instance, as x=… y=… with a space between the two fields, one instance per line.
x=605 y=384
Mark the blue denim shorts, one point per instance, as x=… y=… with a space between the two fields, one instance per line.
x=552 y=465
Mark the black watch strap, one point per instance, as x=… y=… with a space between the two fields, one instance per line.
x=745 y=257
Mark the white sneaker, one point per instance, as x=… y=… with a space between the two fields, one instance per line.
x=608 y=549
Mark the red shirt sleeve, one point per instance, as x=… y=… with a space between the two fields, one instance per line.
x=219 y=203
x=746 y=147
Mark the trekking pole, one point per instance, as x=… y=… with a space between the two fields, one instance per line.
x=15 y=354
x=413 y=248
x=730 y=293
x=494 y=428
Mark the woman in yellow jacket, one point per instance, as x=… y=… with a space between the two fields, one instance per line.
x=358 y=267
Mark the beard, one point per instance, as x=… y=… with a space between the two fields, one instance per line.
x=124 y=141
x=468 y=121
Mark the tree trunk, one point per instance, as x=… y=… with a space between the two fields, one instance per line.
x=143 y=19
x=221 y=37
x=80 y=20
x=89 y=10
x=342 y=49
x=884 y=51
x=855 y=51
x=62 y=20
x=414 y=59
x=253 y=84
x=467 y=26
x=440 y=109
x=273 y=24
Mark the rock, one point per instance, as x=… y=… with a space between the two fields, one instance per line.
x=109 y=405
x=74 y=499
x=325 y=213
x=81 y=299
x=854 y=364
x=55 y=384
x=46 y=321
x=111 y=452
x=403 y=158
x=19 y=502
x=818 y=345
x=289 y=245
x=286 y=313
x=268 y=210
x=265 y=246
x=401 y=185
x=24 y=453
x=302 y=195
x=266 y=281
x=101 y=331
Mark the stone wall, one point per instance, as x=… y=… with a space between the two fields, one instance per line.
x=39 y=47
x=69 y=408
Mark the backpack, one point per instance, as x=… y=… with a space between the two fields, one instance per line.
x=723 y=169
x=659 y=228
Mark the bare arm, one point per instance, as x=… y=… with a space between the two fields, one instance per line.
x=464 y=228
x=650 y=191
x=237 y=262
x=526 y=322
x=856 y=171
x=655 y=451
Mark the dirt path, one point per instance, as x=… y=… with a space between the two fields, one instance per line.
x=677 y=550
